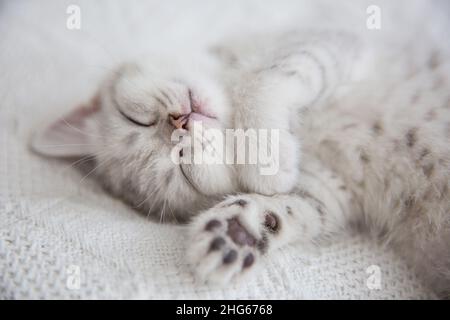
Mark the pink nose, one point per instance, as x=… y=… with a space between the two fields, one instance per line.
x=178 y=121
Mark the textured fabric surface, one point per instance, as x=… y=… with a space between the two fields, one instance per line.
x=54 y=223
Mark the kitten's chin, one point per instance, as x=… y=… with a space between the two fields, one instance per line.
x=212 y=179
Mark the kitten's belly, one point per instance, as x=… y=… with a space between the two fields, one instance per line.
x=398 y=168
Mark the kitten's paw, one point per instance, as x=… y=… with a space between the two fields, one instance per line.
x=227 y=240
x=281 y=175
x=301 y=75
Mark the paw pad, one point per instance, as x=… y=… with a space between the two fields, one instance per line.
x=239 y=234
x=216 y=244
x=213 y=224
x=271 y=222
x=240 y=202
x=227 y=245
x=248 y=261
x=230 y=257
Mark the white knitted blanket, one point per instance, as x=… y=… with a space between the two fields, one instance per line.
x=63 y=237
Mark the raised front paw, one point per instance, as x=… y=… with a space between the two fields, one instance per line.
x=227 y=240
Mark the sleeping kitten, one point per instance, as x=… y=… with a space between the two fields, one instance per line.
x=370 y=149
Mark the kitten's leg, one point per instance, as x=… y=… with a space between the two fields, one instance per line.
x=227 y=240
x=271 y=98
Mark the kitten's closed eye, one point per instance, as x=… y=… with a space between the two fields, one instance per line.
x=133 y=103
x=141 y=123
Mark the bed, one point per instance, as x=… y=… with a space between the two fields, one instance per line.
x=62 y=237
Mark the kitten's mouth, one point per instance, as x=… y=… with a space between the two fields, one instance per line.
x=196 y=113
x=197 y=108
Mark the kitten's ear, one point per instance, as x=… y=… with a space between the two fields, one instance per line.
x=70 y=136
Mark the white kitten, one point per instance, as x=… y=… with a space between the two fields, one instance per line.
x=350 y=153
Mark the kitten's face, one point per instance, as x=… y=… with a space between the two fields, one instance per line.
x=130 y=128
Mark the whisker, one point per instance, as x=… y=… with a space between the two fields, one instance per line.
x=158 y=188
x=146 y=198
x=67 y=144
x=161 y=216
x=79 y=130
x=96 y=167
x=82 y=160
x=173 y=214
